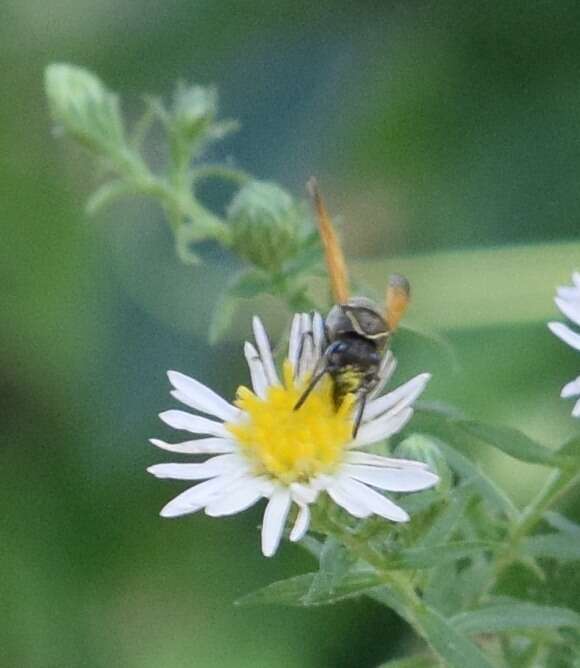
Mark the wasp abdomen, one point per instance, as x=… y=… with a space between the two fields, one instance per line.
x=347 y=380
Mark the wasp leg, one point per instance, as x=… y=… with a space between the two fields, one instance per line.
x=313 y=383
x=359 y=413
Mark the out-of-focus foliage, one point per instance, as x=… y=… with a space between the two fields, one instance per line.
x=431 y=125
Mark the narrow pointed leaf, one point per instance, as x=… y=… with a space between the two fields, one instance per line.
x=250 y=284
x=108 y=193
x=557 y=521
x=559 y=546
x=434 y=555
x=448 y=519
x=295 y=591
x=335 y=563
x=221 y=318
x=484 y=485
x=514 y=443
x=508 y=617
x=455 y=648
x=421 y=661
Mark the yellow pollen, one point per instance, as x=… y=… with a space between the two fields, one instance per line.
x=293 y=445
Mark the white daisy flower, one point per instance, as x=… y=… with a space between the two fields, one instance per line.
x=568 y=301
x=263 y=448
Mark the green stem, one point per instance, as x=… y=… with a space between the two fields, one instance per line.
x=557 y=484
x=223 y=172
x=402 y=595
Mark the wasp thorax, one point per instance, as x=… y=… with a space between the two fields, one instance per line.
x=268 y=226
x=358 y=316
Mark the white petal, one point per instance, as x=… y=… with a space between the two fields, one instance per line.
x=386 y=370
x=568 y=293
x=319 y=335
x=294 y=341
x=301 y=524
x=576 y=409
x=201 y=446
x=303 y=493
x=566 y=334
x=342 y=498
x=306 y=356
x=401 y=397
x=570 y=308
x=381 y=428
x=241 y=496
x=213 y=467
x=198 y=396
x=194 y=423
x=376 y=502
x=257 y=373
x=197 y=497
x=571 y=389
x=365 y=458
x=274 y=520
x=265 y=351
x=392 y=480
x=576 y=278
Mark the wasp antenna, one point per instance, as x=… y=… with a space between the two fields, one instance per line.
x=332 y=250
x=398 y=298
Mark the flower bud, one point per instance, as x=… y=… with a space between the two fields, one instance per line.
x=82 y=105
x=267 y=225
x=422 y=448
x=194 y=110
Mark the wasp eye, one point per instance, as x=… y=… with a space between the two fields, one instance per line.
x=340 y=347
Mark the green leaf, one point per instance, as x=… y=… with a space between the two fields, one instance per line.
x=559 y=546
x=420 y=661
x=484 y=485
x=250 y=284
x=419 y=502
x=513 y=616
x=107 y=194
x=514 y=443
x=438 y=408
x=448 y=519
x=434 y=555
x=244 y=285
x=457 y=650
x=312 y=545
x=185 y=236
x=335 y=563
x=571 y=448
x=441 y=342
x=295 y=591
x=308 y=258
x=557 y=521
x=221 y=317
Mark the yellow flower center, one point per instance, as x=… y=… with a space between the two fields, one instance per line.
x=293 y=445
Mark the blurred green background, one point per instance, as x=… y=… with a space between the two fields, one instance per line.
x=446 y=134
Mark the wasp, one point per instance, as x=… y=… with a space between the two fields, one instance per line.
x=358 y=332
